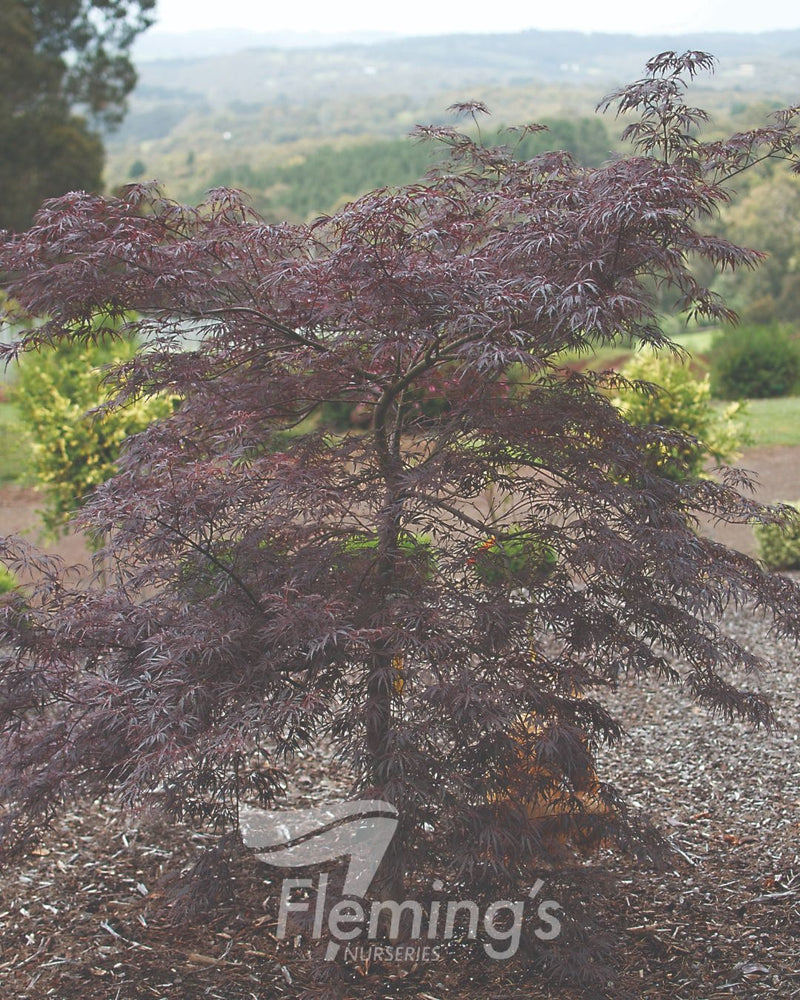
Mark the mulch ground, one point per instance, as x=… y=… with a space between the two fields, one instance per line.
x=87 y=914
x=92 y=913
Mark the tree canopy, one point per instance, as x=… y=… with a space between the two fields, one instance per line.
x=275 y=584
x=60 y=61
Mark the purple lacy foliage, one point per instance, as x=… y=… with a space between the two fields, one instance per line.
x=237 y=626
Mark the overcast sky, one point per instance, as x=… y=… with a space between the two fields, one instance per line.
x=418 y=17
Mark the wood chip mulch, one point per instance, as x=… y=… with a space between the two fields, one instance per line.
x=86 y=915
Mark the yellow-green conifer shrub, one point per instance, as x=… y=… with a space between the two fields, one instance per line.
x=74 y=450
x=681 y=401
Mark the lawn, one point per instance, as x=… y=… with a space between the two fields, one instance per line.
x=13 y=445
x=774 y=421
x=697 y=343
x=769 y=421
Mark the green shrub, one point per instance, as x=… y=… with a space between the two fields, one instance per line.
x=754 y=362
x=521 y=558
x=682 y=403
x=779 y=545
x=8 y=581
x=73 y=450
x=335 y=414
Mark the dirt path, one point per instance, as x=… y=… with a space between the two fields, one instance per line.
x=777 y=470
x=18 y=516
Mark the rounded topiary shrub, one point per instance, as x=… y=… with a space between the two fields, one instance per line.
x=679 y=400
x=779 y=544
x=754 y=362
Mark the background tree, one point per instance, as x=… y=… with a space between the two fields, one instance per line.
x=266 y=593
x=767 y=216
x=328 y=177
x=57 y=56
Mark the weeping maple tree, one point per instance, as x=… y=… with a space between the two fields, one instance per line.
x=440 y=599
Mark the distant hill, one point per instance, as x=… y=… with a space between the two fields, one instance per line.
x=241 y=79
x=157 y=44
x=244 y=115
x=245 y=68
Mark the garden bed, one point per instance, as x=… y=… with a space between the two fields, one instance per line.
x=87 y=916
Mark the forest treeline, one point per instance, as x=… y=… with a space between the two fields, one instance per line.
x=327 y=176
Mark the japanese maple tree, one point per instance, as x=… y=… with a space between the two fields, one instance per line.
x=277 y=584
